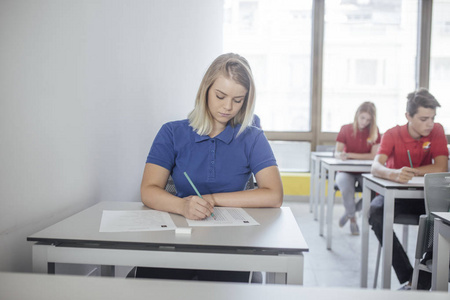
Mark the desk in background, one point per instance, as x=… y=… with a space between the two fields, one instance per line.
x=441 y=251
x=275 y=246
x=314 y=195
x=390 y=190
x=332 y=166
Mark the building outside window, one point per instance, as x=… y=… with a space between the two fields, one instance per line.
x=369 y=55
x=275 y=37
x=440 y=60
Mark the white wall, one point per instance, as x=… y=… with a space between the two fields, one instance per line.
x=84 y=87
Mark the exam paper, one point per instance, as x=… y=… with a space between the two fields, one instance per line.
x=226 y=216
x=135 y=220
x=417 y=180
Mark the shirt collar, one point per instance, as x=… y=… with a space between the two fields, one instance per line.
x=407 y=138
x=405 y=134
x=225 y=136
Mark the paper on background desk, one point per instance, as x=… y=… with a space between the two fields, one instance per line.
x=135 y=220
x=225 y=216
x=417 y=180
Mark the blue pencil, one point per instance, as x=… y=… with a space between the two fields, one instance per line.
x=195 y=189
x=410 y=161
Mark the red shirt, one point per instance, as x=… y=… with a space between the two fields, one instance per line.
x=396 y=142
x=356 y=143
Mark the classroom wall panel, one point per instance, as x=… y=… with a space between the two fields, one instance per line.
x=84 y=87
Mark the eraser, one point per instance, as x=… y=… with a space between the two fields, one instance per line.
x=183 y=230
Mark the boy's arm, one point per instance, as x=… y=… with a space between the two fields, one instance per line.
x=440 y=164
x=402 y=175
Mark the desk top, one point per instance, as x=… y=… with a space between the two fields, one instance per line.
x=321 y=154
x=335 y=161
x=416 y=182
x=444 y=216
x=48 y=287
x=278 y=232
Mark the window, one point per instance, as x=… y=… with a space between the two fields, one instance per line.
x=275 y=37
x=369 y=55
x=366 y=72
x=440 y=60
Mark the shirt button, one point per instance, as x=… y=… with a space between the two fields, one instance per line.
x=212 y=162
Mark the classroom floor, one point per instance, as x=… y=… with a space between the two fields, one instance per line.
x=339 y=267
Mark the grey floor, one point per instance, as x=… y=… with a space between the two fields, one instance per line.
x=339 y=267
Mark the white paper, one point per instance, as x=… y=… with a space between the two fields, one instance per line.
x=135 y=220
x=417 y=180
x=226 y=216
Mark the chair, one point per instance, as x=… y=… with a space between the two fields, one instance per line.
x=437 y=199
x=170 y=186
x=251 y=183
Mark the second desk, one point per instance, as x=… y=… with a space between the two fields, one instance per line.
x=391 y=191
x=332 y=166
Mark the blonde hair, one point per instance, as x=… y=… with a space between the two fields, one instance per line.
x=232 y=66
x=367 y=107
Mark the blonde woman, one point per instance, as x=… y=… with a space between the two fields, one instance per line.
x=219 y=150
x=358 y=140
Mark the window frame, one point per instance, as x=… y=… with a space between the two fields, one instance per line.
x=316 y=136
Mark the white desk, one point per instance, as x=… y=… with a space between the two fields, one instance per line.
x=314 y=194
x=391 y=191
x=20 y=286
x=276 y=246
x=441 y=251
x=332 y=166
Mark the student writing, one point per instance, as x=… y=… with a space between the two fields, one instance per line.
x=427 y=146
x=357 y=140
x=217 y=147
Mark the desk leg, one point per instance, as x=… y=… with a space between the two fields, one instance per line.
x=365 y=234
x=295 y=270
x=109 y=271
x=311 y=185
x=317 y=183
x=441 y=253
x=330 y=206
x=294 y=274
x=275 y=278
x=40 y=262
x=388 y=233
x=323 y=179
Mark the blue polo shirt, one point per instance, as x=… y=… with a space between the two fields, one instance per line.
x=215 y=165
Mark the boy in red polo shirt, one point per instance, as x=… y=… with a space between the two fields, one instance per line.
x=427 y=146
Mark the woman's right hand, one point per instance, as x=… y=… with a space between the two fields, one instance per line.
x=196 y=208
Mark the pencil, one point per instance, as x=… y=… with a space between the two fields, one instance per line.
x=410 y=161
x=195 y=189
